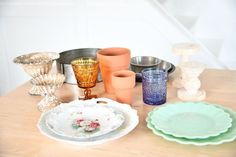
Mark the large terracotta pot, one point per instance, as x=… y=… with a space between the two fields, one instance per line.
x=111 y=60
x=123 y=82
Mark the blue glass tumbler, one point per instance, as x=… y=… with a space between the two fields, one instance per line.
x=154 y=84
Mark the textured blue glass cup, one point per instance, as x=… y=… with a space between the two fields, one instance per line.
x=154 y=84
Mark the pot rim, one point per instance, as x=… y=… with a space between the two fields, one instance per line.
x=120 y=51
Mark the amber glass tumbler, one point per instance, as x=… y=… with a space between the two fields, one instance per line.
x=86 y=73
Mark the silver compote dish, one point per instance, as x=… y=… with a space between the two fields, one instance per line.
x=35 y=64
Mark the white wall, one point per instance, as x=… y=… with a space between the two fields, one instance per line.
x=213 y=22
x=58 y=25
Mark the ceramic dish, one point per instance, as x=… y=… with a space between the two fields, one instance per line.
x=228 y=136
x=130 y=122
x=84 y=121
x=191 y=120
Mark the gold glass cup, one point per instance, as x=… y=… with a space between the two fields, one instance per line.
x=86 y=73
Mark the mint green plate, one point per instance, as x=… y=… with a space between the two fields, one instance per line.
x=228 y=136
x=192 y=120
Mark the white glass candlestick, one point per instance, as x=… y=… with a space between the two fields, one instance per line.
x=191 y=83
x=184 y=50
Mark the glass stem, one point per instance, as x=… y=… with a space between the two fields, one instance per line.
x=87 y=93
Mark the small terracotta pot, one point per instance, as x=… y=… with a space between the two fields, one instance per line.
x=111 y=60
x=123 y=82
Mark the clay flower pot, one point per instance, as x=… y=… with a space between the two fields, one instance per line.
x=111 y=60
x=123 y=82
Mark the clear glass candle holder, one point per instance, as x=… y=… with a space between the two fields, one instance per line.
x=154 y=85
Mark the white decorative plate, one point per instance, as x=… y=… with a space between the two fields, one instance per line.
x=228 y=136
x=84 y=121
x=130 y=122
x=191 y=120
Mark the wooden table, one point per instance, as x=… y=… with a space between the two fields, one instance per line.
x=19 y=135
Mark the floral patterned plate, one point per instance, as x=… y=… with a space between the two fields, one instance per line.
x=83 y=120
x=130 y=122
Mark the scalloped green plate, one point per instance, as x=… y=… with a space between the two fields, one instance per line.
x=228 y=136
x=191 y=120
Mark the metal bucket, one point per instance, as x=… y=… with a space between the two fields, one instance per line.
x=64 y=62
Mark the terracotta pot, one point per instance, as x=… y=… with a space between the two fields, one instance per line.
x=111 y=60
x=123 y=82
